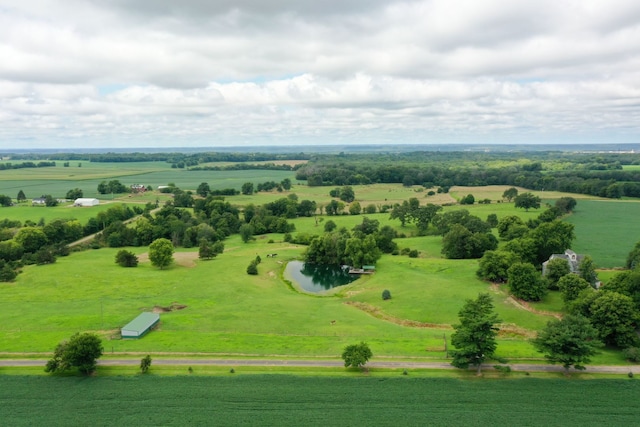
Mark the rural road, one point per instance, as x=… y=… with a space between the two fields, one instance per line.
x=522 y=367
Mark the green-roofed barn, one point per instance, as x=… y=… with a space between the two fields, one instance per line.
x=140 y=325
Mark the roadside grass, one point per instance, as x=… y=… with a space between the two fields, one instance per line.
x=606 y=230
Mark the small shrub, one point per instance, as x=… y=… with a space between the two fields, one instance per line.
x=145 y=364
x=405 y=251
x=414 y=253
x=386 y=294
x=190 y=370
x=270 y=241
x=395 y=252
x=405 y=372
x=632 y=354
x=252 y=269
x=505 y=369
x=630 y=374
x=258 y=259
x=232 y=371
x=287 y=237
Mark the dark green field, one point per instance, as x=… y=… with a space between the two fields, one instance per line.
x=290 y=400
x=606 y=230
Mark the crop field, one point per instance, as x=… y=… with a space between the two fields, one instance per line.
x=292 y=400
x=606 y=230
x=58 y=180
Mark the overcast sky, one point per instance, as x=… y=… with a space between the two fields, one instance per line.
x=143 y=73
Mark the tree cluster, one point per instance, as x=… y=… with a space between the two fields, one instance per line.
x=364 y=245
x=112 y=187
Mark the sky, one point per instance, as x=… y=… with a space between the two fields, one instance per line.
x=207 y=73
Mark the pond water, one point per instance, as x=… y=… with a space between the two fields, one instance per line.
x=316 y=277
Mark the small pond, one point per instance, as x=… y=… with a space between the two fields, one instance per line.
x=316 y=277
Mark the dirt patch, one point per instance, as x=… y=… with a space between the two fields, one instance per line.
x=184 y=259
x=379 y=314
x=505 y=329
x=523 y=305
x=173 y=307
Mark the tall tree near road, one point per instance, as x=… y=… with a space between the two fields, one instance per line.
x=475 y=336
x=356 y=355
x=570 y=341
x=81 y=351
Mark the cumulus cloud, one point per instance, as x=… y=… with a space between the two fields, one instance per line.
x=197 y=72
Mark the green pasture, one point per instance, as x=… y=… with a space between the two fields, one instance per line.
x=606 y=230
x=293 y=400
x=26 y=211
x=225 y=311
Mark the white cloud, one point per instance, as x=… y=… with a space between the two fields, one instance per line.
x=285 y=71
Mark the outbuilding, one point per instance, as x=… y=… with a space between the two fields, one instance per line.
x=140 y=325
x=85 y=202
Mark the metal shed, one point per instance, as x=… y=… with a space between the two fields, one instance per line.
x=86 y=202
x=140 y=325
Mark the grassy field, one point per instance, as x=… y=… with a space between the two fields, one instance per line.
x=226 y=311
x=292 y=400
x=606 y=230
x=229 y=312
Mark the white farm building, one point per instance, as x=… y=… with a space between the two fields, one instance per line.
x=86 y=202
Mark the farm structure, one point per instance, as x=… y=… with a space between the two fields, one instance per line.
x=572 y=258
x=366 y=269
x=39 y=200
x=86 y=202
x=139 y=326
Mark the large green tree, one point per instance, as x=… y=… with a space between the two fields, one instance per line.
x=556 y=268
x=570 y=341
x=31 y=238
x=474 y=338
x=571 y=285
x=81 y=351
x=525 y=282
x=493 y=265
x=356 y=355
x=161 y=253
x=510 y=193
x=527 y=201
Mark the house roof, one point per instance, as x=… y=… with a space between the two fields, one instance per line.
x=143 y=322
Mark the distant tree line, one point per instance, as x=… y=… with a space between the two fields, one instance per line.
x=187 y=159
x=23 y=165
x=585 y=174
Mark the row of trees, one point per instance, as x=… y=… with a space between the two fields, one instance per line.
x=570 y=341
x=573 y=176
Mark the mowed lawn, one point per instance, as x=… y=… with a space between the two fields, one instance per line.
x=606 y=230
